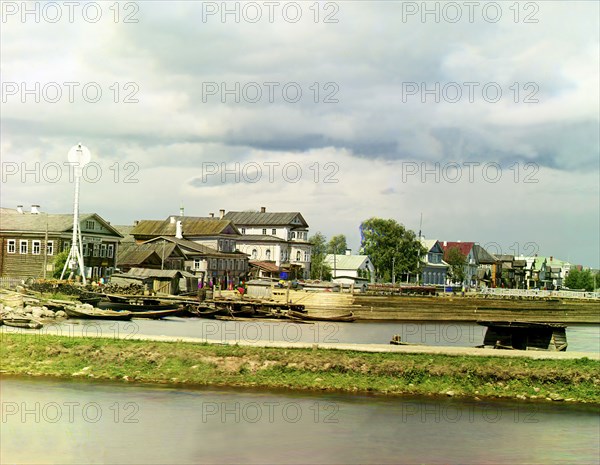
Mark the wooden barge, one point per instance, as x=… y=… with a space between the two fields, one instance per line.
x=524 y=335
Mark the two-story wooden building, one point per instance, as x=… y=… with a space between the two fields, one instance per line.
x=30 y=241
x=279 y=237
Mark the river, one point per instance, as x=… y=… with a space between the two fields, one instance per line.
x=580 y=337
x=55 y=421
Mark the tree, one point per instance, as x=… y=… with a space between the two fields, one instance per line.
x=392 y=248
x=337 y=245
x=580 y=280
x=59 y=263
x=318 y=268
x=457 y=261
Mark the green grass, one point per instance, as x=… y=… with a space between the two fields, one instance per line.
x=329 y=370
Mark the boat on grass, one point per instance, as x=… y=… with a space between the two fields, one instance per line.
x=26 y=323
x=524 y=335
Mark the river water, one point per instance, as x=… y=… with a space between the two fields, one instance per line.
x=53 y=421
x=581 y=337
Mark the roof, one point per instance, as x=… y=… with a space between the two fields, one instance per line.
x=125 y=231
x=53 y=222
x=346 y=262
x=191 y=226
x=267 y=219
x=147 y=272
x=428 y=243
x=464 y=247
x=483 y=256
x=188 y=246
x=271 y=267
x=131 y=253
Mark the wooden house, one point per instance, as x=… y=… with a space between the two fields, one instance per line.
x=30 y=241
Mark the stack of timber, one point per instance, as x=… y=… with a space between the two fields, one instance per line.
x=372 y=307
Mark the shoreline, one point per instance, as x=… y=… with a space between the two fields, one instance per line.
x=395 y=372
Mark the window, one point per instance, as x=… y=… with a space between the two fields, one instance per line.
x=89 y=224
x=66 y=246
x=264 y=231
x=268 y=255
x=111 y=250
x=103 y=250
x=85 y=250
x=274 y=232
x=306 y=257
x=293 y=235
x=254 y=254
x=50 y=248
x=196 y=264
x=23 y=247
x=298 y=256
x=243 y=230
x=96 y=249
x=11 y=246
x=36 y=247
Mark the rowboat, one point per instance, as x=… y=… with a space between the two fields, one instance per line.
x=135 y=307
x=155 y=314
x=26 y=323
x=95 y=314
x=524 y=335
x=346 y=318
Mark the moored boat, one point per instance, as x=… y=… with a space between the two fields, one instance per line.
x=346 y=318
x=155 y=314
x=95 y=314
x=135 y=307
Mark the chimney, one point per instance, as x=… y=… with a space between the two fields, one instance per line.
x=19 y=208
x=35 y=209
x=178 y=230
x=551 y=257
x=211 y=215
x=445 y=243
x=263 y=209
x=172 y=219
x=348 y=251
x=136 y=222
x=221 y=214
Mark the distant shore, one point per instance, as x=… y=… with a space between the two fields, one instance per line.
x=190 y=364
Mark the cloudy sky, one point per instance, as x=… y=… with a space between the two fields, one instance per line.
x=483 y=119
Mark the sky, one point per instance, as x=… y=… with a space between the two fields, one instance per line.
x=471 y=121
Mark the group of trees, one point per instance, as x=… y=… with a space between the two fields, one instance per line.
x=320 y=248
x=395 y=251
x=584 y=279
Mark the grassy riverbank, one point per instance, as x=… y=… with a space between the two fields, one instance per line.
x=330 y=370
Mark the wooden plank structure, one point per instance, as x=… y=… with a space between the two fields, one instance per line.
x=523 y=335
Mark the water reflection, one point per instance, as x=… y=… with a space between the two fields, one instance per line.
x=79 y=422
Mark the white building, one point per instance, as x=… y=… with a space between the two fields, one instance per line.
x=346 y=267
x=281 y=238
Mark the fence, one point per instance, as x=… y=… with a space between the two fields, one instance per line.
x=500 y=292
